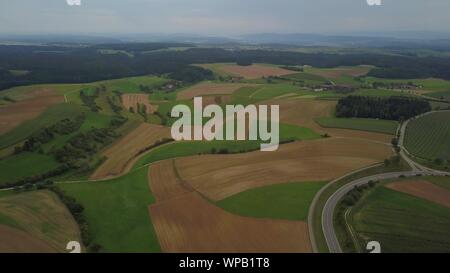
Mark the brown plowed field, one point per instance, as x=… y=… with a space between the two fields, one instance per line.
x=132 y=101
x=41 y=215
x=255 y=71
x=303 y=112
x=191 y=224
x=185 y=222
x=423 y=189
x=335 y=73
x=207 y=89
x=14 y=114
x=14 y=240
x=164 y=183
x=122 y=152
x=220 y=176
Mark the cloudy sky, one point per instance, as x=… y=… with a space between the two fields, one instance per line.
x=222 y=17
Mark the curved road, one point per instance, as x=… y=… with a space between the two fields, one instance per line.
x=330 y=205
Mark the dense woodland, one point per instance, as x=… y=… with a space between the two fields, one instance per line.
x=72 y=64
x=391 y=108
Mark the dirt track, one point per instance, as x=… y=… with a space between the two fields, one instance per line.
x=122 y=152
x=185 y=222
x=423 y=189
x=220 y=176
x=12 y=115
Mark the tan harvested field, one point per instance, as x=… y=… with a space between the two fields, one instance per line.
x=164 y=183
x=335 y=73
x=423 y=189
x=14 y=240
x=303 y=112
x=208 y=89
x=220 y=176
x=41 y=215
x=255 y=71
x=185 y=222
x=132 y=101
x=14 y=114
x=121 y=154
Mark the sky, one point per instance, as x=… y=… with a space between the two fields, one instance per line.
x=221 y=17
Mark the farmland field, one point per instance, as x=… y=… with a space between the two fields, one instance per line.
x=423 y=189
x=23 y=165
x=210 y=89
x=371 y=125
x=292 y=201
x=441 y=95
x=254 y=71
x=186 y=222
x=428 y=137
x=402 y=223
x=221 y=176
x=121 y=153
x=47 y=118
x=132 y=101
x=188 y=148
x=305 y=112
x=12 y=115
x=41 y=216
x=117 y=212
x=335 y=73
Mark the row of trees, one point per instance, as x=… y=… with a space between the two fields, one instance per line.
x=88 y=65
x=391 y=108
x=83 y=146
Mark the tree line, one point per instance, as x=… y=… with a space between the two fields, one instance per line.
x=391 y=108
x=74 y=65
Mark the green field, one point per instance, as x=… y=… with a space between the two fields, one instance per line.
x=275 y=90
x=427 y=84
x=402 y=223
x=289 y=201
x=443 y=182
x=117 y=212
x=131 y=85
x=363 y=124
x=428 y=137
x=189 y=148
x=307 y=78
x=23 y=165
x=380 y=93
x=92 y=120
x=441 y=95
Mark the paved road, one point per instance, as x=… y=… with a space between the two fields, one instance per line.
x=330 y=205
x=328 y=211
